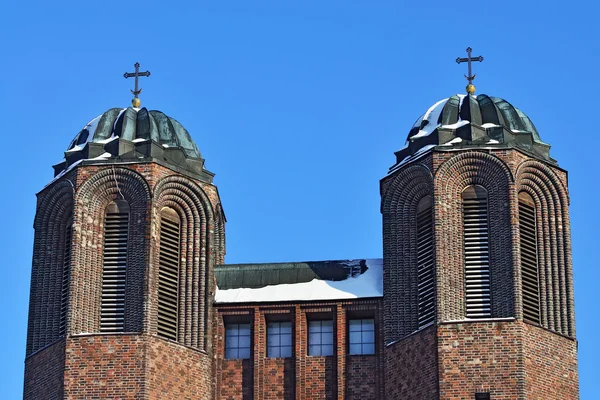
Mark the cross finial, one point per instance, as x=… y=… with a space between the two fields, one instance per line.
x=469 y=60
x=136 y=101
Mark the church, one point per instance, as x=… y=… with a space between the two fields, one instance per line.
x=131 y=297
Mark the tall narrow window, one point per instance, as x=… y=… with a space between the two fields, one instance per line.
x=476 y=252
x=116 y=233
x=529 y=258
x=66 y=278
x=168 y=273
x=426 y=277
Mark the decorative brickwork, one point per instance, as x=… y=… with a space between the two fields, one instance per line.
x=400 y=196
x=554 y=244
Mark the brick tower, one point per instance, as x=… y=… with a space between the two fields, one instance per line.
x=126 y=237
x=478 y=286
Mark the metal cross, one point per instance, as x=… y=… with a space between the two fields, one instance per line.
x=136 y=75
x=468 y=60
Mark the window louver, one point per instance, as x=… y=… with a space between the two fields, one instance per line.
x=476 y=253
x=116 y=232
x=529 y=261
x=168 y=274
x=66 y=277
x=426 y=276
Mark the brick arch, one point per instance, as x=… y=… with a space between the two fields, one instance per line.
x=453 y=176
x=198 y=240
x=554 y=245
x=91 y=200
x=399 y=208
x=55 y=208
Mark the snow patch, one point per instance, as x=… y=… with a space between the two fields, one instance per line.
x=102 y=156
x=456 y=125
x=493 y=141
x=368 y=284
x=490 y=125
x=453 y=141
x=139 y=140
x=110 y=139
x=431 y=116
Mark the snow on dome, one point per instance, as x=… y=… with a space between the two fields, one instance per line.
x=468 y=120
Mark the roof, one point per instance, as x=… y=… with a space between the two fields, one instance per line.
x=466 y=121
x=133 y=134
x=299 y=281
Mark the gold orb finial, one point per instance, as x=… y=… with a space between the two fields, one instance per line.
x=136 y=102
x=470 y=88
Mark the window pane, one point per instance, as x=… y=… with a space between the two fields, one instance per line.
x=274 y=352
x=355 y=337
x=244 y=353
x=355 y=325
x=231 y=353
x=231 y=341
x=231 y=328
x=355 y=349
x=286 y=327
x=244 y=341
x=286 y=339
x=327 y=350
x=273 y=340
x=286 y=351
x=368 y=337
x=314 y=326
x=314 y=350
x=314 y=338
x=327 y=326
x=368 y=325
x=273 y=327
x=368 y=348
x=244 y=329
x=327 y=338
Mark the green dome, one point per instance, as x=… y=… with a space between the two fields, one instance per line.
x=127 y=134
x=468 y=121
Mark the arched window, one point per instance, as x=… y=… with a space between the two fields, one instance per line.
x=168 y=273
x=426 y=274
x=476 y=252
x=66 y=278
x=529 y=258
x=114 y=272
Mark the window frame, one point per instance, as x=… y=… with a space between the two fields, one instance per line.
x=315 y=330
x=276 y=331
x=352 y=332
x=235 y=327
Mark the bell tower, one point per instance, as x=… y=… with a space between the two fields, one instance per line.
x=126 y=238
x=478 y=285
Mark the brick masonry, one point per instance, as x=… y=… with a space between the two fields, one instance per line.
x=451 y=359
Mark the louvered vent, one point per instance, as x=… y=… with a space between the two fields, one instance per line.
x=168 y=274
x=529 y=262
x=66 y=274
x=116 y=232
x=426 y=279
x=476 y=253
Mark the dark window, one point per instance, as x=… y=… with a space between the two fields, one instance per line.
x=482 y=396
x=279 y=339
x=529 y=258
x=168 y=274
x=426 y=275
x=476 y=252
x=361 y=336
x=66 y=279
x=237 y=341
x=116 y=233
x=320 y=338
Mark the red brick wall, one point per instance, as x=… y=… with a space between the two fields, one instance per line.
x=177 y=372
x=550 y=365
x=44 y=373
x=362 y=379
x=481 y=356
x=411 y=367
x=105 y=366
x=300 y=377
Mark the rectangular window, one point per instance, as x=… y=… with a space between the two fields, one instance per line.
x=320 y=338
x=237 y=341
x=482 y=396
x=362 y=336
x=279 y=339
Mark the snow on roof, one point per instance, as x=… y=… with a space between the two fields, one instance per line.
x=431 y=116
x=368 y=284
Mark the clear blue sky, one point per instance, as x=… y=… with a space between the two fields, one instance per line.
x=298 y=107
